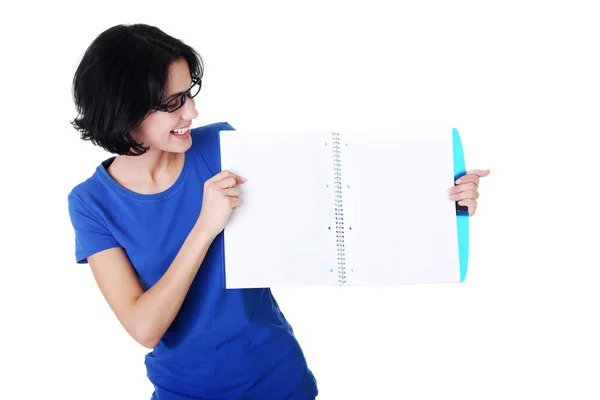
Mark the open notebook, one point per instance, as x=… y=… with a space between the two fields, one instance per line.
x=344 y=208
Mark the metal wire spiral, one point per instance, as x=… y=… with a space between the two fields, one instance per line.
x=339 y=210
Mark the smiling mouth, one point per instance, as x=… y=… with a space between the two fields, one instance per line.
x=181 y=131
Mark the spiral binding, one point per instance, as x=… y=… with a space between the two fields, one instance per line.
x=339 y=209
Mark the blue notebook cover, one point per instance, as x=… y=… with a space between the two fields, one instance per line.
x=462 y=214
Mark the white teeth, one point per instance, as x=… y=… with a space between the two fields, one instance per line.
x=180 y=131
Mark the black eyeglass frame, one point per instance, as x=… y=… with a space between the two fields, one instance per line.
x=181 y=97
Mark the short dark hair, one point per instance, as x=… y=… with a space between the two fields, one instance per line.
x=121 y=77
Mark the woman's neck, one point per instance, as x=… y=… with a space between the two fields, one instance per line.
x=149 y=173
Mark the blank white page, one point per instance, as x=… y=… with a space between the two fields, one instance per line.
x=283 y=234
x=400 y=226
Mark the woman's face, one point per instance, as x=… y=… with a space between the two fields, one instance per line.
x=157 y=130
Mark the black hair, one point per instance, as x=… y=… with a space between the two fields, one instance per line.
x=121 y=77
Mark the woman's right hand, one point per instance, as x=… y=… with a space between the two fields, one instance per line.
x=220 y=197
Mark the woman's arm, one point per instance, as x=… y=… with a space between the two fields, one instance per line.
x=147 y=315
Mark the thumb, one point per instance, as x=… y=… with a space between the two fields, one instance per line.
x=479 y=172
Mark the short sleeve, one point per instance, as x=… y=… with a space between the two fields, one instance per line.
x=91 y=235
x=227 y=127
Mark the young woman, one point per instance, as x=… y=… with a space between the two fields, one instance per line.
x=149 y=222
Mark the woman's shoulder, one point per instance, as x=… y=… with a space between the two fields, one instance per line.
x=209 y=133
x=95 y=183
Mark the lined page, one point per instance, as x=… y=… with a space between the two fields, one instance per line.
x=400 y=224
x=280 y=235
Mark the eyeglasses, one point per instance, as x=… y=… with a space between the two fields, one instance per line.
x=177 y=101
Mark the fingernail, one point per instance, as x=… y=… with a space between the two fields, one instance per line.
x=458 y=181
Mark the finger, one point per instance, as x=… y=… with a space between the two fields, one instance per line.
x=226 y=183
x=234 y=202
x=473 y=176
x=232 y=192
x=467 y=194
x=468 y=178
x=225 y=175
x=462 y=187
x=471 y=205
x=221 y=175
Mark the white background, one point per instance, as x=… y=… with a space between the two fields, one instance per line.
x=519 y=79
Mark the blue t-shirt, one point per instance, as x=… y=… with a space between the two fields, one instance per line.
x=223 y=343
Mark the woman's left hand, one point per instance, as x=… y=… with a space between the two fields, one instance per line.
x=466 y=192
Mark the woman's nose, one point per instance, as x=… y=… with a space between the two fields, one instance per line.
x=189 y=110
